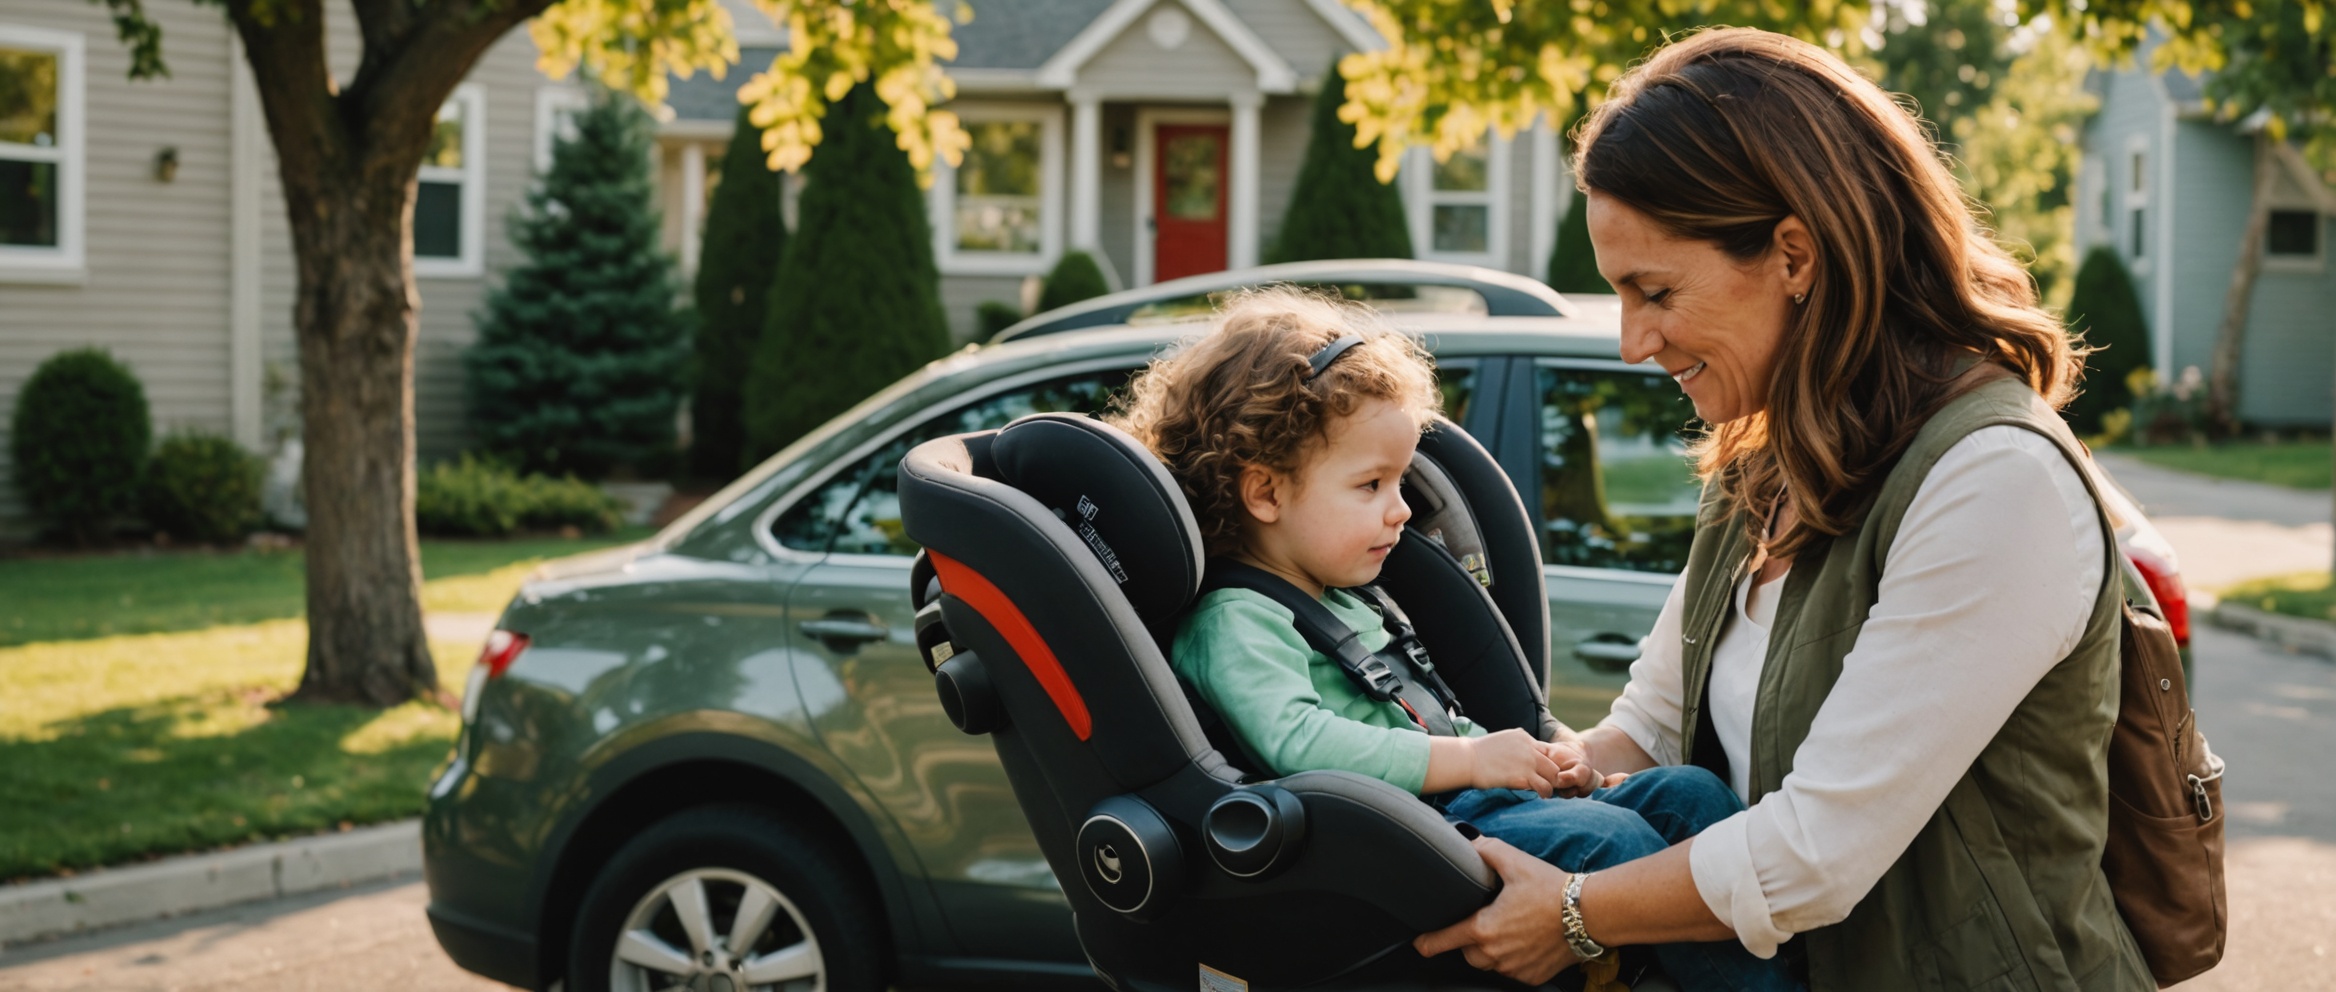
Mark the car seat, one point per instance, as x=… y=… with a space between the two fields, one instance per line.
x=1059 y=557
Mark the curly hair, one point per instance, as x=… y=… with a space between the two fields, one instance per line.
x=1239 y=395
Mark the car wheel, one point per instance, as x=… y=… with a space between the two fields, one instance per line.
x=725 y=899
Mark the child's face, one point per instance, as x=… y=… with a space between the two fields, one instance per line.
x=1334 y=522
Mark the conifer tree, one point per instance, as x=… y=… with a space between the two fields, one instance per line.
x=2104 y=306
x=581 y=356
x=745 y=236
x=1339 y=209
x=1573 y=264
x=857 y=300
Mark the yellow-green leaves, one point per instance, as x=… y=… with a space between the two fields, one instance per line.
x=833 y=45
x=633 y=45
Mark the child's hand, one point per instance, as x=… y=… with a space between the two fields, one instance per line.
x=1575 y=777
x=1511 y=759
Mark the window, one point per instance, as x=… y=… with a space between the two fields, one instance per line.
x=998 y=211
x=857 y=511
x=1455 y=204
x=448 y=202
x=2137 y=203
x=556 y=108
x=41 y=139
x=2293 y=234
x=1616 y=487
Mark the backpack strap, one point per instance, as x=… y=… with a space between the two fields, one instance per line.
x=1380 y=675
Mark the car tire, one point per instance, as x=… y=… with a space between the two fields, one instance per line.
x=663 y=910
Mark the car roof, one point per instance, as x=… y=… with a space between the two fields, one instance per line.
x=1504 y=294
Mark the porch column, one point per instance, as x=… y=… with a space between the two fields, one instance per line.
x=693 y=203
x=1086 y=172
x=1242 y=253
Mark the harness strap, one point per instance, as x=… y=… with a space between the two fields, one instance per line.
x=1402 y=675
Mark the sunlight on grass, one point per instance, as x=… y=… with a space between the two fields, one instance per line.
x=2294 y=464
x=401 y=726
x=487 y=593
x=2304 y=594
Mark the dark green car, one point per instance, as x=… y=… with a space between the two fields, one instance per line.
x=715 y=760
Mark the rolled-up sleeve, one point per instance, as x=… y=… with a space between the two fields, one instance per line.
x=1989 y=583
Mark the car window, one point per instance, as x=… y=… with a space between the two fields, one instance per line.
x=857 y=511
x=1457 y=381
x=1616 y=487
x=1386 y=297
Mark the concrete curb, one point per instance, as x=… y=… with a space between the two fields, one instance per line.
x=114 y=896
x=2316 y=637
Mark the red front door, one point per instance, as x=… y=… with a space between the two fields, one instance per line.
x=1188 y=200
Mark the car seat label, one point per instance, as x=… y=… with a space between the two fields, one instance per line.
x=1212 y=980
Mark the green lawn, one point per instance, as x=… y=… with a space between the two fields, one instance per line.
x=64 y=598
x=114 y=748
x=2305 y=594
x=2298 y=464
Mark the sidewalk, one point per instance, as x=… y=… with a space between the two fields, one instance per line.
x=2227 y=531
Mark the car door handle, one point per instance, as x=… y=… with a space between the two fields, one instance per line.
x=845 y=630
x=1605 y=654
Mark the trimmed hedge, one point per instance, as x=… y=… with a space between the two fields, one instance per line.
x=745 y=237
x=1075 y=277
x=1339 y=208
x=203 y=487
x=992 y=316
x=1573 y=264
x=77 y=443
x=476 y=497
x=2106 y=310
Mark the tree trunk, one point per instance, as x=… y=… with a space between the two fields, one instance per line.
x=2222 y=389
x=348 y=155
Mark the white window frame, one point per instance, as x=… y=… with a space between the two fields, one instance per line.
x=2136 y=197
x=1420 y=199
x=472 y=177
x=63 y=263
x=2315 y=262
x=555 y=110
x=941 y=200
x=2093 y=192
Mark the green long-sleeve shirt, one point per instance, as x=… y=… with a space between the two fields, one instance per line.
x=1290 y=705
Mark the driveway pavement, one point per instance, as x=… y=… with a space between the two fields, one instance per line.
x=2227 y=531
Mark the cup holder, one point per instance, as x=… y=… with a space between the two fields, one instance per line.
x=967 y=695
x=1255 y=831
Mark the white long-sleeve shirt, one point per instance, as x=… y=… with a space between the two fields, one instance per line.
x=1989 y=583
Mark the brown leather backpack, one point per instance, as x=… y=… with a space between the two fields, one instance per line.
x=2164 y=855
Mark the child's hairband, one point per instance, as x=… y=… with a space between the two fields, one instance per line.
x=1330 y=353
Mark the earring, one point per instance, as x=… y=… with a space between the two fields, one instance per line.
x=1798 y=297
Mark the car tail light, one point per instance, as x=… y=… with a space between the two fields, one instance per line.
x=503 y=647
x=2166 y=585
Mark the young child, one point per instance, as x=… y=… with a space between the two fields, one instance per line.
x=1296 y=469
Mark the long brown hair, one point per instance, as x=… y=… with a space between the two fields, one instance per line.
x=1723 y=134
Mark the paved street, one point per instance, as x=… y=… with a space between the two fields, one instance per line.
x=2271 y=714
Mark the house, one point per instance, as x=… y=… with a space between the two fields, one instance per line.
x=1163 y=136
x=2168 y=187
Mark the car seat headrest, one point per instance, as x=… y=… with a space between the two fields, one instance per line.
x=1440 y=511
x=1113 y=493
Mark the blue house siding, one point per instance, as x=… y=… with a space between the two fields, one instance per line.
x=2287 y=376
x=2213 y=174
x=2132 y=110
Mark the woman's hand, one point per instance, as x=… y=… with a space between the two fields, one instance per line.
x=1522 y=934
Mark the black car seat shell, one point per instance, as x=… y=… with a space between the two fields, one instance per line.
x=1059 y=558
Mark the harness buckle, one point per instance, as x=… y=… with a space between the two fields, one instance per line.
x=1380 y=681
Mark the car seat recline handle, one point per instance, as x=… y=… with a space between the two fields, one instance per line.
x=1255 y=832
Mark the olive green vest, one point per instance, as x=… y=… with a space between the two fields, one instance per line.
x=2003 y=888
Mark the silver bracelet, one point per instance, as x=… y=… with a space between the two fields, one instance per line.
x=1577 y=936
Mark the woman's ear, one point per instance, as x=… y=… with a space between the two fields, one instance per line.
x=1796 y=250
x=1261 y=493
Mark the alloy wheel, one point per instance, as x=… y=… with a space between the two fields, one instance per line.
x=716 y=930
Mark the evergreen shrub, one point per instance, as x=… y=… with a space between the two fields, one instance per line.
x=1339 y=208
x=1573 y=264
x=203 y=487
x=581 y=356
x=745 y=235
x=1075 y=277
x=992 y=316
x=77 y=443
x=2106 y=310
x=857 y=301
x=479 y=497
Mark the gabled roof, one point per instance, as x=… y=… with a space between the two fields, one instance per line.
x=1021 y=34
x=1274 y=75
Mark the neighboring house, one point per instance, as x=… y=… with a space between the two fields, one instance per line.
x=1164 y=136
x=2169 y=187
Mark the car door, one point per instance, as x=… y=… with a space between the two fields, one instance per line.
x=871 y=701
x=1613 y=500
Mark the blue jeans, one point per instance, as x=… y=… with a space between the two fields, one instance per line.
x=1647 y=813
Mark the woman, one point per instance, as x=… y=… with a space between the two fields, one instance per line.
x=1896 y=634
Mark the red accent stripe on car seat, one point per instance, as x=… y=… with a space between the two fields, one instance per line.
x=977 y=592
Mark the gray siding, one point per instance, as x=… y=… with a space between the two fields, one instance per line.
x=1202 y=68
x=1294 y=31
x=156 y=256
x=1284 y=127
x=1117 y=223
x=961 y=294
